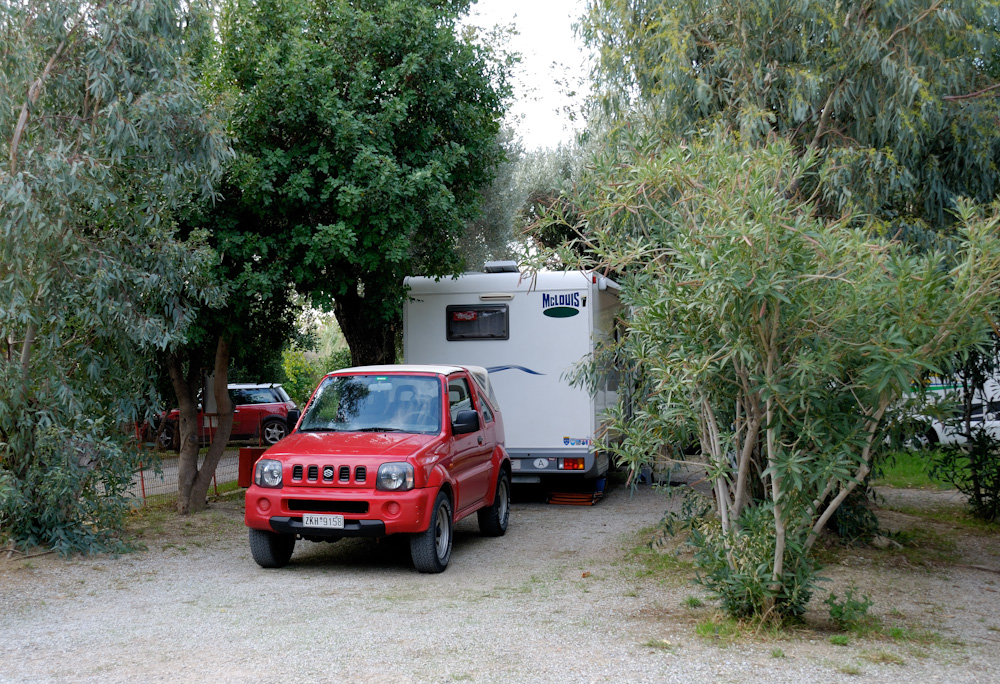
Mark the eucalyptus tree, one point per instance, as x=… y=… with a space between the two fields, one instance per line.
x=103 y=138
x=778 y=340
x=364 y=130
x=898 y=97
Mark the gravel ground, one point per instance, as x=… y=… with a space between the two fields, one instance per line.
x=558 y=599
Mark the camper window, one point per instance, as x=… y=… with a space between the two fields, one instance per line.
x=477 y=322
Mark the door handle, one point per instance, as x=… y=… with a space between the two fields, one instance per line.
x=480 y=440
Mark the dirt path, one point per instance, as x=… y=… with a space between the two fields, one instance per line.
x=558 y=599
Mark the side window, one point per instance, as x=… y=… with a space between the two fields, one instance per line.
x=261 y=395
x=459 y=398
x=477 y=322
x=239 y=397
x=485 y=405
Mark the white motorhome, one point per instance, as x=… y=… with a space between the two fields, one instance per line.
x=529 y=331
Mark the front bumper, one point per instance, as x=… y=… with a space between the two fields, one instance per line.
x=367 y=512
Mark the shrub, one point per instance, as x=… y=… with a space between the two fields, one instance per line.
x=735 y=568
x=72 y=497
x=974 y=470
x=850 y=612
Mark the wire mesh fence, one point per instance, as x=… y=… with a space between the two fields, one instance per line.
x=159 y=477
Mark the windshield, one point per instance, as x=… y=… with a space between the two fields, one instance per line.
x=375 y=403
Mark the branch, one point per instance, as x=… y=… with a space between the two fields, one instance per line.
x=969 y=96
x=33 y=93
x=923 y=15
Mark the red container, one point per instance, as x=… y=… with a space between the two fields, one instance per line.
x=248 y=458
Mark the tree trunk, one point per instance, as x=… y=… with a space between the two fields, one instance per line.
x=220 y=438
x=187 y=424
x=372 y=341
x=193 y=482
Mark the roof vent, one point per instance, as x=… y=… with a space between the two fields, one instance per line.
x=501 y=267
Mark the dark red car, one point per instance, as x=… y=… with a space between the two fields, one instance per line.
x=262 y=412
x=385 y=450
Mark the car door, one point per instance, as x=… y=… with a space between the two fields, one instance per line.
x=470 y=452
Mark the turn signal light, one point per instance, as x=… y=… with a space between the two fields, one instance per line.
x=570 y=464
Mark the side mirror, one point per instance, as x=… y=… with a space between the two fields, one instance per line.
x=465 y=422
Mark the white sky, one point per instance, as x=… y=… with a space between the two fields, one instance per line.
x=550 y=52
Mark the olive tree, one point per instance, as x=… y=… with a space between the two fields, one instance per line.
x=103 y=138
x=777 y=339
x=894 y=99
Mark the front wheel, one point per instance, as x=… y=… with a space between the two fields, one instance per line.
x=431 y=549
x=493 y=518
x=270 y=549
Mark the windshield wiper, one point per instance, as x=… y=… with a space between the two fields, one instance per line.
x=320 y=429
x=379 y=429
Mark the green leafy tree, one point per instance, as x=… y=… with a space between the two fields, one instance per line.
x=364 y=133
x=777 y=340
x=894 y=100
x=104 y=138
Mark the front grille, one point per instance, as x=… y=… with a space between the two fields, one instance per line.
x=355 y=507
x=328 y=473
x=297 y=472
x=360 y=473
x=313 y=473
x=345 y=473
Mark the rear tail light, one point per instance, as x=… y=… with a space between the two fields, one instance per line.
x=570 y=464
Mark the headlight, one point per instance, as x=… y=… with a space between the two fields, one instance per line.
x=267 y=473
x=395 y=477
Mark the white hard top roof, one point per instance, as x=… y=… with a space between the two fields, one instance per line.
x=253 y=385
x=405 y=368
x=476 y=282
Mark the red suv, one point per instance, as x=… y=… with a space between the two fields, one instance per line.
x=385 y=450
x=262 y=412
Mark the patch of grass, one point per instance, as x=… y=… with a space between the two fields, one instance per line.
x=849 y=669
x=840 y=640
x=654 y=563
x=724 y=630
x=660 y=644
x=882 y=657
x=924 y=637
x=777 y=653
x=692 y=602
x=922 y=546
x=956 y=515
x=908 y=470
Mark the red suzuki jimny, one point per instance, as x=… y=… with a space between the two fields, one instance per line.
x=383 y=450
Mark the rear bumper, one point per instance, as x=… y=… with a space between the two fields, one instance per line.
x=532 y=465
x=384 y=513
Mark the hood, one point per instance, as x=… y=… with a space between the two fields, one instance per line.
x=393 y=445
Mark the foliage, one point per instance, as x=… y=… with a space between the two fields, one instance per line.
x=106 y=139
x=854 y=520
x=74 y=498
x=365 y=132
x=777 y=339
x=850 y=611
x=301 y=375
x=974 y=470
x=491 y=235
x=893 y=99
x=736 y=566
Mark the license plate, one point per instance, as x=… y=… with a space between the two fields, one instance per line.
x=332 y=522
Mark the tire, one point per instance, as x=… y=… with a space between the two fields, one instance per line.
x=168 y=439
x=932 y=438
x=493 y=518
x=273 y=431
x=270 y=549
x=431 y=549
